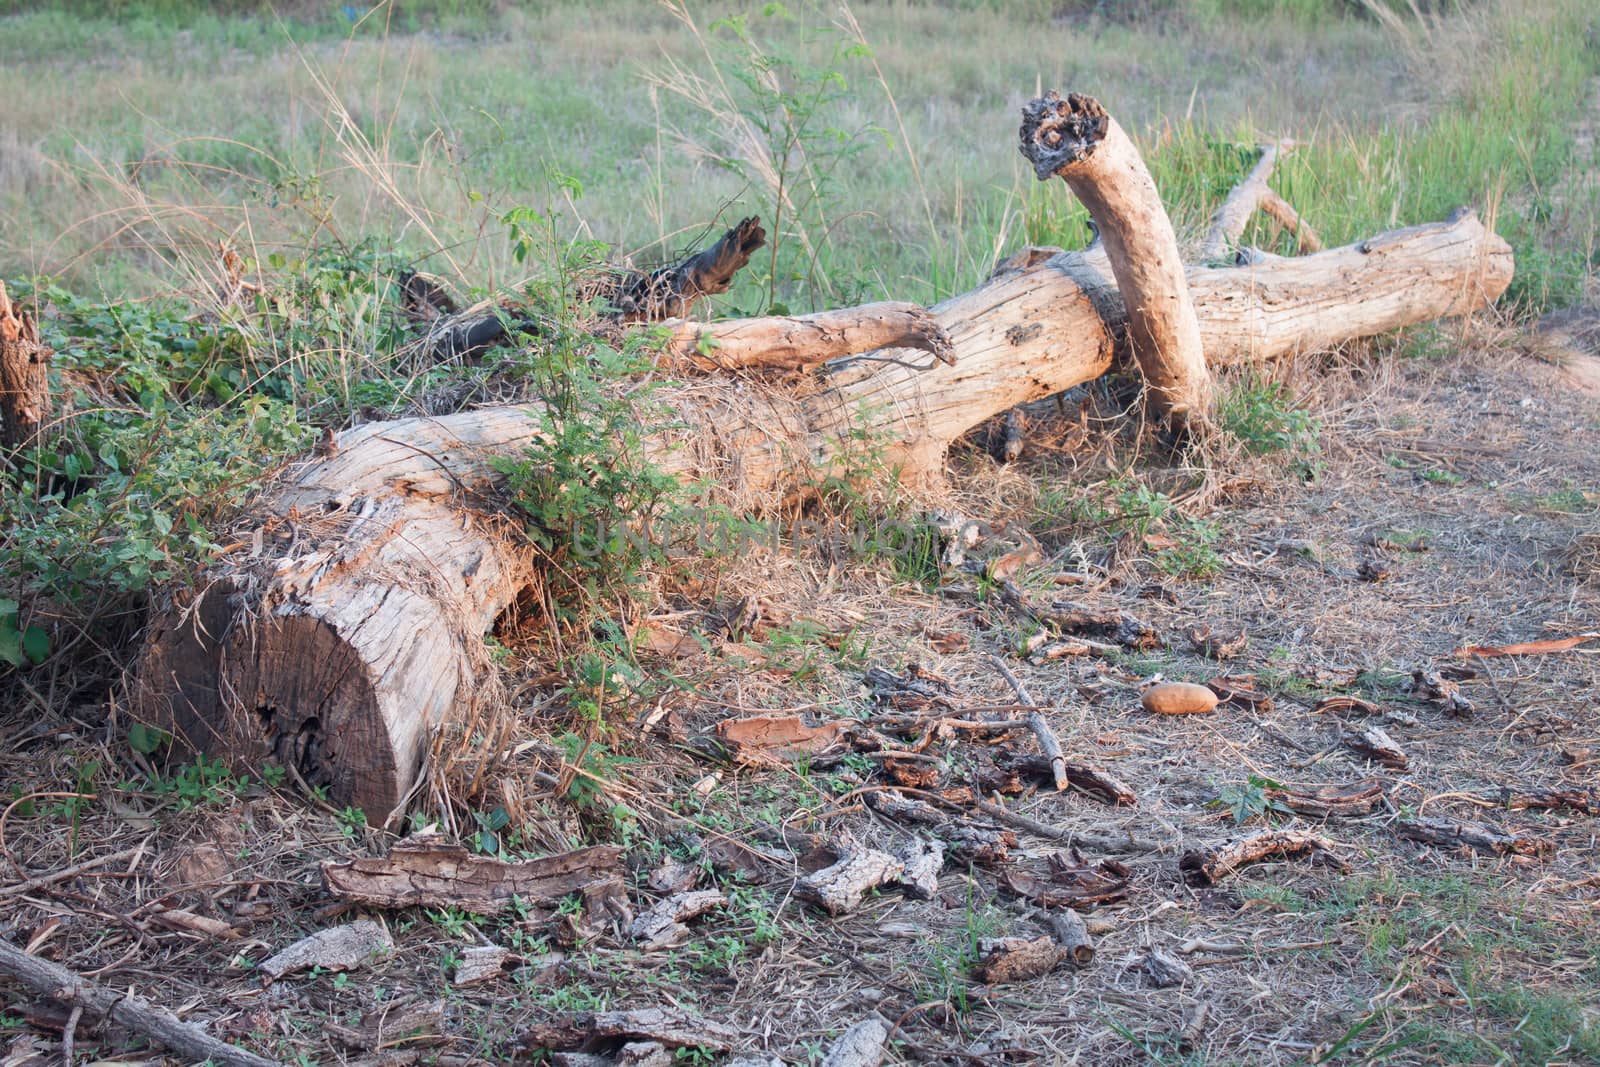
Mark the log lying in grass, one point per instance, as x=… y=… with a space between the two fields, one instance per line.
x=338 y=637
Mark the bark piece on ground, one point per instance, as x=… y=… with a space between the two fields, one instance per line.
x=1519 y=798
x=1375 y=743
x=1479 y=836
x=1086 y=778
x=1211 y=865
x=841 y=888
x=971 y=840
x=1240 y=691
x=1071 y=882
x=923 y=860
x=425 y=871
x=593 y=1031
x=1528 y=648
x=482 y=963
x=1017 y=959
x=665 y=924
x=775 y=740
x=1163 y=969
x=863 y=1045
x=338 y=948
x=1326 y=801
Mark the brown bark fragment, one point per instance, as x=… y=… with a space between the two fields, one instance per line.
x=1017 y=959
x=1210 y=866
x=1482 y=837
x=1375 y=743
x=665 y=924
x=424 y=871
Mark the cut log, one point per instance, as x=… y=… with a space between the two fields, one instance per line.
x=336 y=637
x=24 y=375
x=1075 y=139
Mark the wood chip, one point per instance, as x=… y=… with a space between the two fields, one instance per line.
x=1071 y=883
x=425 y=871
x=1324 y=801
x=338 y=948
x=1209 y=866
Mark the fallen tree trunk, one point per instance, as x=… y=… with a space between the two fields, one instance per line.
x=349 y=624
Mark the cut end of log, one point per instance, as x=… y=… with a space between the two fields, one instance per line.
x=1057 y=132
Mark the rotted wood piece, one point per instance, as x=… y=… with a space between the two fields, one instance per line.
x=1210 y=866
x=841 y=888
x=788 y=343
x=24 y=375
x=923 y=860
x=1072 y=934
x=1375 y=743
x=1017 y=959
x=1518 y=798
x=669 y=293
x=1482 y=837
x=425 y=871
x=1077 y=140
x=1071 y=617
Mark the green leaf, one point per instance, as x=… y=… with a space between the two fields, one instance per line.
x=36 y=643
x=145 y=739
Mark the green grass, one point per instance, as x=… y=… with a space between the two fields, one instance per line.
x=267 y=131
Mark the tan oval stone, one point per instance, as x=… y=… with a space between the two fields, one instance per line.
x=1179 y=698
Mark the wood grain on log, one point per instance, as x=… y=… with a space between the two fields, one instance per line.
x=356 y=628
x=1231 y=218
x=1078 y=141
x=1482 y=837
x=800 y=341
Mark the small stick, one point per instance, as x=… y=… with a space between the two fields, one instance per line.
x=47 y=979
x=69 y=1034
x=1048 y=742
x=68 y=872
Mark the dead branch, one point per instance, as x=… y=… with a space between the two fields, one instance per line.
x=1212 y=865
x=797 y=342
x=46 y=979
x=1482 y=837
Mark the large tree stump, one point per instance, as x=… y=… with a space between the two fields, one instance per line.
x=338 y=637
x=24 y=375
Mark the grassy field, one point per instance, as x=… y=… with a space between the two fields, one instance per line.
x=209 y=205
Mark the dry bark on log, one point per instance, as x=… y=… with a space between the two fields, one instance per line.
x=337 y=642
x=673 y=1027
x=47 y=979
x=1375 y=743
x=1071 y=883
x=1282 y=212
x=1075 y=139
x=1321 y=802
x=1086 y=778
x=1210 y=866
x=24 y=375
x=665 y=924
x=1231 y=218
x=923 y=861
x=426 y=872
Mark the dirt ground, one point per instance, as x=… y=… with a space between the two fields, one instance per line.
x=1456 y=502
